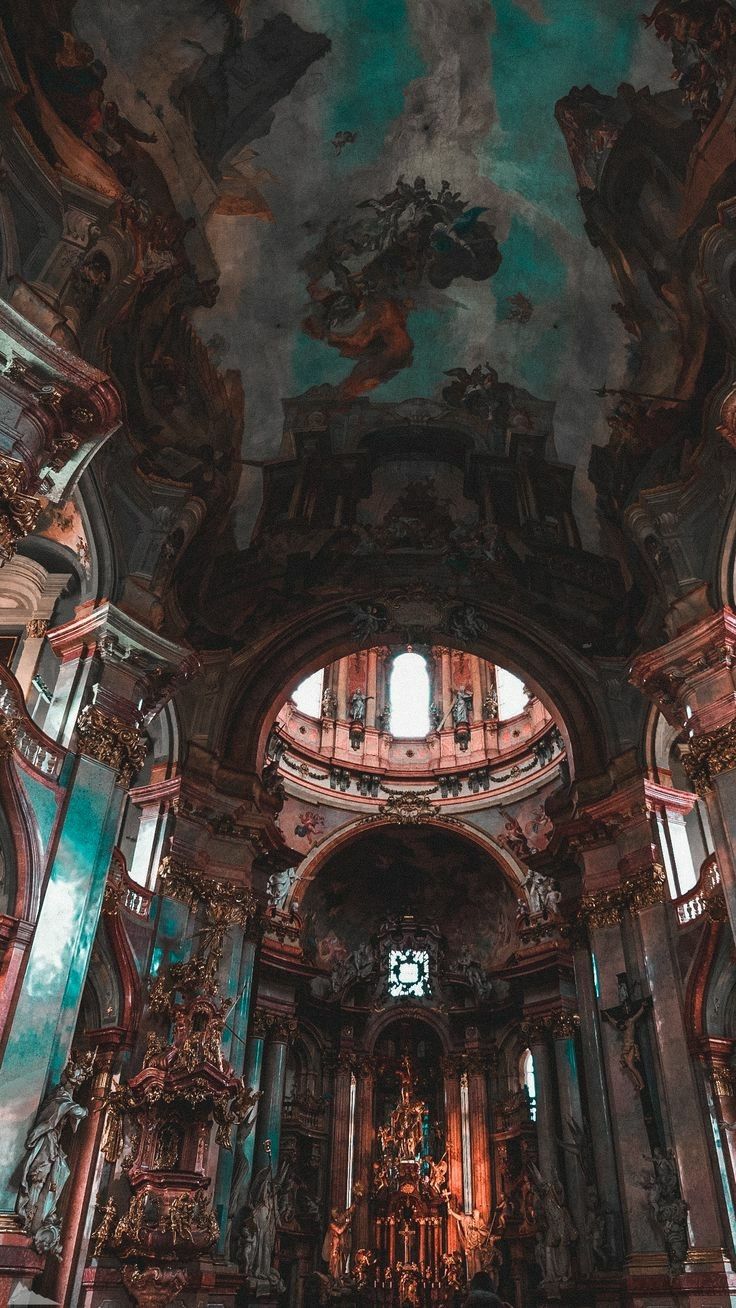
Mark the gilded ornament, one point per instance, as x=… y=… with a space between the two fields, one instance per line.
x=111 y=741
x=709 y=755
x=724 y=1081
x=18 y=510
x=8 y=732
x=565 y=1025
x=36 y=628
x=603 y=908
x=101 y=1237
x=227 y=904
x=534 y=1029
x=153 y=1285
x=646 y=888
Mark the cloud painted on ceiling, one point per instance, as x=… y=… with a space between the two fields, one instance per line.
x=378 y=90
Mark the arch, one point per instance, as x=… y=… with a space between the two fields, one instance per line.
x=562 y=679
x=378 y=1023
x=512 y=870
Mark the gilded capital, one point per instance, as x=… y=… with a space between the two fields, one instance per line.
x=709 y=755
x=564 y=1025
x=603 y=908
x=260 y=1024
x=646 y=888
x=18 y=510
x=111 y=741
x=36 y=628
x=535 y=1029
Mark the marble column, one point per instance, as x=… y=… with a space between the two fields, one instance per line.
x=253 y=1074
x=630 y=1137
x=477 y=1070
x=719 y=797
x=720 y=1083
x=235 y=1053
x=365 y=1073
x=383 y=697
x=273 y=1080
x=536 y=1031
x=453 y=1142
x=564 y=1028
x=80 y=1212
x=109 y=653
x=683 y=1106
x=597 y=1096
x=340 y=1132
x=371 y=677
x=155 y=802
x=35 y=635
x=45 y=1015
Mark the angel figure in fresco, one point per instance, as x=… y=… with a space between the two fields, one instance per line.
x=343 y=138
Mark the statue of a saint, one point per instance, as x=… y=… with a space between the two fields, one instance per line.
x=259 y=1235
x=338 y=1243
x=462 y=707
x=536 y=888
x=479 y=1244
x=45 y=1169
x=358 y=704
x=559 y=1232
x=407 y=1119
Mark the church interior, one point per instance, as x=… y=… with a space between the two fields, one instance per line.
x=368 y=653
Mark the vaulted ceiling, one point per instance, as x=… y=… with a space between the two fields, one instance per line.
x=293 y=133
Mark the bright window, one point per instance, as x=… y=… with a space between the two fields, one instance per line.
x=408 y=973
x=512 y=697
x=529 y=1080
x=409 y=696
x=308 y=694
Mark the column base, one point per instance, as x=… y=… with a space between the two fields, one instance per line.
x=706 y=1281
x=19 y=1262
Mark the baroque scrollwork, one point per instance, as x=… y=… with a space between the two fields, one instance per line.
x=111 y=741
x=604 y=908
x=709 y=755
x=19 y=511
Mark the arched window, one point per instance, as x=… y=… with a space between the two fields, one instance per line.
x=308 y=694
x=409 y=695
x=529 y=1081
x=512 y=697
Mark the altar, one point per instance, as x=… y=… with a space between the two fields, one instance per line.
x=416 y=1224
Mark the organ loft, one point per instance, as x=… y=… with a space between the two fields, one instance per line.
x=367 y=654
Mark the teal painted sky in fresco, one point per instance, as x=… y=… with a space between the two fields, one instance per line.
x=376 y=60
x=533 y=65
x=375 y=56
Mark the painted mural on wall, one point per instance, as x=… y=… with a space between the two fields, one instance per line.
x=384 y=200
x=397 y=871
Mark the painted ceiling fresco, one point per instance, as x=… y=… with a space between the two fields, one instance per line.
x=401 y=870
x=387 y=196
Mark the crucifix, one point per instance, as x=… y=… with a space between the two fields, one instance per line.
x=407 y=1235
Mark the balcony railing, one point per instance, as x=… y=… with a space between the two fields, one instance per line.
x=37 y=749
x=703 y=896
x=124 y=892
